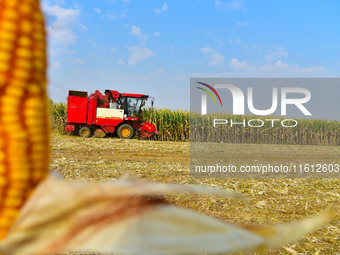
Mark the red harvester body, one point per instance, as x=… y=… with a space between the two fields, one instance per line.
x=100 y=114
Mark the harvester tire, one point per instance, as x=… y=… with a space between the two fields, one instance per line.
x=99 y=133
x=125 y=131
x=84 y=132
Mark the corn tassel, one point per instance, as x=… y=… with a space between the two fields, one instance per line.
x=24 y=124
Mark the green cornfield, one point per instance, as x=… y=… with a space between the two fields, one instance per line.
x=178 y=125
x=172 y=125
x=307 y=132
x=58 y=115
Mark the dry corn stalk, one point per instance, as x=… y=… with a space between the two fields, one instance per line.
x=23 y=105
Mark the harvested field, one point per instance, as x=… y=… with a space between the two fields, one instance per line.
x=270 y=201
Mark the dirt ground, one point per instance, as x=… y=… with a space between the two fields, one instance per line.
x=269 y=201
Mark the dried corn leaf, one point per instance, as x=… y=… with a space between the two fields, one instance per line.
x=130 y=216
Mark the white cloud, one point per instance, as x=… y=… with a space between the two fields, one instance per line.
x=156 y=33
x=61 y=31
x=270 y=53
x=235 y=5
x=237 y=41
x=138 y=54
x=215 y=58
x=277 y=53
x=121 y=62
x=220 y=41
x=163 y=9
x=207 y=50
x=97 y=10
x=136 y=31
x=236 y=64
x=111 y=14
x=230 y=6
x=218 y=3
x=78 y=61
x=83 y=28
x=278 y=69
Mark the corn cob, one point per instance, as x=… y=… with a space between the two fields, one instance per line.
x=24 y=123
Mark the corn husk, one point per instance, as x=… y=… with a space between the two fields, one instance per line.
x=130 y=216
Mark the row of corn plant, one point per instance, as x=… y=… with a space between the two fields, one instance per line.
x=172 y=125
x=307 y=132
x=58 y=115
x=178 y=125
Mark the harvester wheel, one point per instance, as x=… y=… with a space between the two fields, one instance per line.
x=125 y=131
x=85 y=132
x=99 y=133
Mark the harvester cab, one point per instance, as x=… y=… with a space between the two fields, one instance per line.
x=133 y=105
x=112 y=112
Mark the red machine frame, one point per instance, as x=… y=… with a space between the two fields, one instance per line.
x=82 y=113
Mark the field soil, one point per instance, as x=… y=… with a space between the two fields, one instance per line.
x=269 y=201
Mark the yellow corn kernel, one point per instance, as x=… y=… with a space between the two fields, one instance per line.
x=6 y=46
x=20 y=138
x=11 y=3
x=23 y=63
x=39 y=165
x=21 y=73
x=31 y=113
x=5 y=56
x=38 y=16
x=38 y=175
x=25 y=8
x=34 y=89
x=3 y=181
x=6 y=35
x=23 y=104
x=25 y=41
x=35 y=133
x=14 y=92
x=4 y=223
x=34 y=102
x=38 y=36
x=38 y=65
x=23 y=52
x=10 y=212
x=26 y=27
x=17 y=152
x=11 y=118
x=13 y=202
x=38 y=148
x=19 y=175
x=8 y=25
x=17 y=189
x=10 y=101
x=4 y=67
x=9 y=14
x=9 y=110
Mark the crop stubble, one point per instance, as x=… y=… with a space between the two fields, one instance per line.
x=269 y=200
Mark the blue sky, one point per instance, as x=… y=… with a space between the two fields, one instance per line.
x=154 y=47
